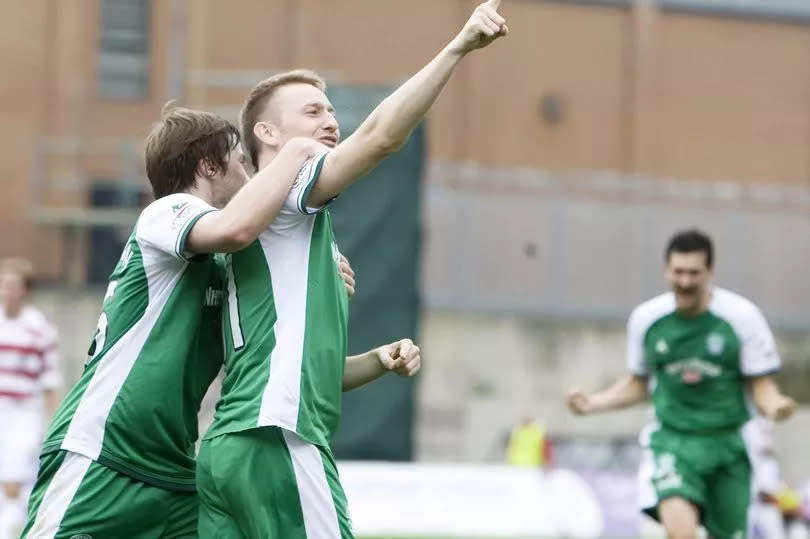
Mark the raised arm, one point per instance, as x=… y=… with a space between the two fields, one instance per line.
x=388 y=126
x=255 y=206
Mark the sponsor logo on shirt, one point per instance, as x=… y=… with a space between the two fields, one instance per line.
x=213 y=297
x=691 y=377
x=693 y=370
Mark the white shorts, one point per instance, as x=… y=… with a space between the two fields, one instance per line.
x=758 y=437
x=20 y=440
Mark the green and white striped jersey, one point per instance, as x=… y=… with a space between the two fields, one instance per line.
x=155 y=352
x=699 y=365
x=285 y=323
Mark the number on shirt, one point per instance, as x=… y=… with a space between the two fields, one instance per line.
x=99 y=339
x=233 y=310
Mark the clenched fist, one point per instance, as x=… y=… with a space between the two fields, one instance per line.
x=484 y=26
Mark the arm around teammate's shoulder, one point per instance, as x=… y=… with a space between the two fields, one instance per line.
x=255 y=206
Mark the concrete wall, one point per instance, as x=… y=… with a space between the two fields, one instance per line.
x=590 y=245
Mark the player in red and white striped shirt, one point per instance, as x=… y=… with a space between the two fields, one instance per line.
x=29 y=384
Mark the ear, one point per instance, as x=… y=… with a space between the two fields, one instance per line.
x=266 y=132
x=206 y=169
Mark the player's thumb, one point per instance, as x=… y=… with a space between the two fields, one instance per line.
x=386 y=359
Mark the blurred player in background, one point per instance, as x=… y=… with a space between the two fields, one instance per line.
x=118 y=460
x=698 y=351
x=528 y=444
x=766 y=521
x=30 y=380
x=265 y=465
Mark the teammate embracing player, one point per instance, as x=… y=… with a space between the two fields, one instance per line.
x=118 y=460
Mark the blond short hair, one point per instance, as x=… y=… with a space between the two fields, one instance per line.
x=258 y=98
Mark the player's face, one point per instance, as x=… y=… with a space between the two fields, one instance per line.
x=689 y=277
x=302 y=110
x=232 y=180
x=12 y=289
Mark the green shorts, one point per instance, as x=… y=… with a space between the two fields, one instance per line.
x=269 y=483
x=75 y=496
x=710 y=470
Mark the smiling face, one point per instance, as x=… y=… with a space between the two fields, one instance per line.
x=689 y=276
x=299 y=110
x=689 y=258
x=284 y=106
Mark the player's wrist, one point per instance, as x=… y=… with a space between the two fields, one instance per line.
x=457 y=48
x=782 y=409
x=595 y=405
x=380 y=354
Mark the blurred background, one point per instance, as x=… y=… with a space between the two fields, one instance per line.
x=511 y=237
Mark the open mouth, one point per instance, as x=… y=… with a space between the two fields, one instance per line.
x=329 y=140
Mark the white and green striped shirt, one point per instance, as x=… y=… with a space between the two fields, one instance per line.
x=285 y=325
x=155 y=352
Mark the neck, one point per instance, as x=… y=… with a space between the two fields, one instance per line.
x=203 y=190
x=265 y=157
x=701 y=306
x=13 y=310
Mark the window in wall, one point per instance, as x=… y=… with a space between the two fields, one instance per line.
x=123 y=52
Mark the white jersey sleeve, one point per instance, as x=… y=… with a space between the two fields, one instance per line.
x=636 y=362
x=166 y=223
x=759 y=355
x=640 y=321
x=296 y=202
